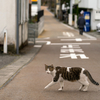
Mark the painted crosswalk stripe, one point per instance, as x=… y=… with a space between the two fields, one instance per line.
x=69 y=34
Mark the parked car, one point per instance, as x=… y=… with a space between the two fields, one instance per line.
x=98 y=27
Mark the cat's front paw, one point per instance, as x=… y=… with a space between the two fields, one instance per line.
x=46 y=87
x=60 y=89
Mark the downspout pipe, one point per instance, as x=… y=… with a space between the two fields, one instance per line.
x=71 y=7
x=17 y=27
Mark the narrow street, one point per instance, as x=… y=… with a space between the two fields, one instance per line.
x=63 y=46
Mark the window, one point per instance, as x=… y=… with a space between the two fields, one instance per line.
x=97 y=15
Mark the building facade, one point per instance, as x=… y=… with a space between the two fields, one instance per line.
x=92 y=6
x=8 y=21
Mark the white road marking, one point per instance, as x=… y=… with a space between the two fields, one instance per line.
x=77 y=39
x=87 y=35
x=47 y=38
x=48 y=43
x=37 y=46
x=70 y=46
x=69 y=34
x=73 y=56
x=69 y=43
x=71 y=50
x=42 y=41
x=63 y=37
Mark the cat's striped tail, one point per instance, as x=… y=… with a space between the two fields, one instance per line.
x=90 y=77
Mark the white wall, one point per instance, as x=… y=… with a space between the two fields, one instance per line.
x=93 y=21
x=87 y=3
x=7 y=19
x=94 y=4
x=84 y=3
x=23 y=27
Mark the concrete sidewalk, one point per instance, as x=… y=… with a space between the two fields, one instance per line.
x=8 y=72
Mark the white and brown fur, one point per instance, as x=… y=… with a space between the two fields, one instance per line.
x=59 y=74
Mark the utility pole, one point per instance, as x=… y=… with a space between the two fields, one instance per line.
x=71 y=6
x=17 y=30
x=55 y=7
x=60 y=11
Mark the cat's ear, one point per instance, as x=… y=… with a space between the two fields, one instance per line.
x=45 y=65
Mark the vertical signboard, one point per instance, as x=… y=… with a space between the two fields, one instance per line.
x=34 y=7
x=34 y=1
x=87 y=19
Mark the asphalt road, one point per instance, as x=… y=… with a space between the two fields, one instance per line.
x=63 y=46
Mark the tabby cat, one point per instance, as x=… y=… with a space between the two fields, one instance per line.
x=72 y=74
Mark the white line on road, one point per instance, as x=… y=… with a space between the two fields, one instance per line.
x=47 y=42
x=77 y=39
x=47 y=38
x=37 y=46
x=69 y=43
x=63 y=37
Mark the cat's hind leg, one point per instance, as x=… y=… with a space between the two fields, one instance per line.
x=85 y=85
x=81 y=87
x=84 y=81
x=61 y=85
